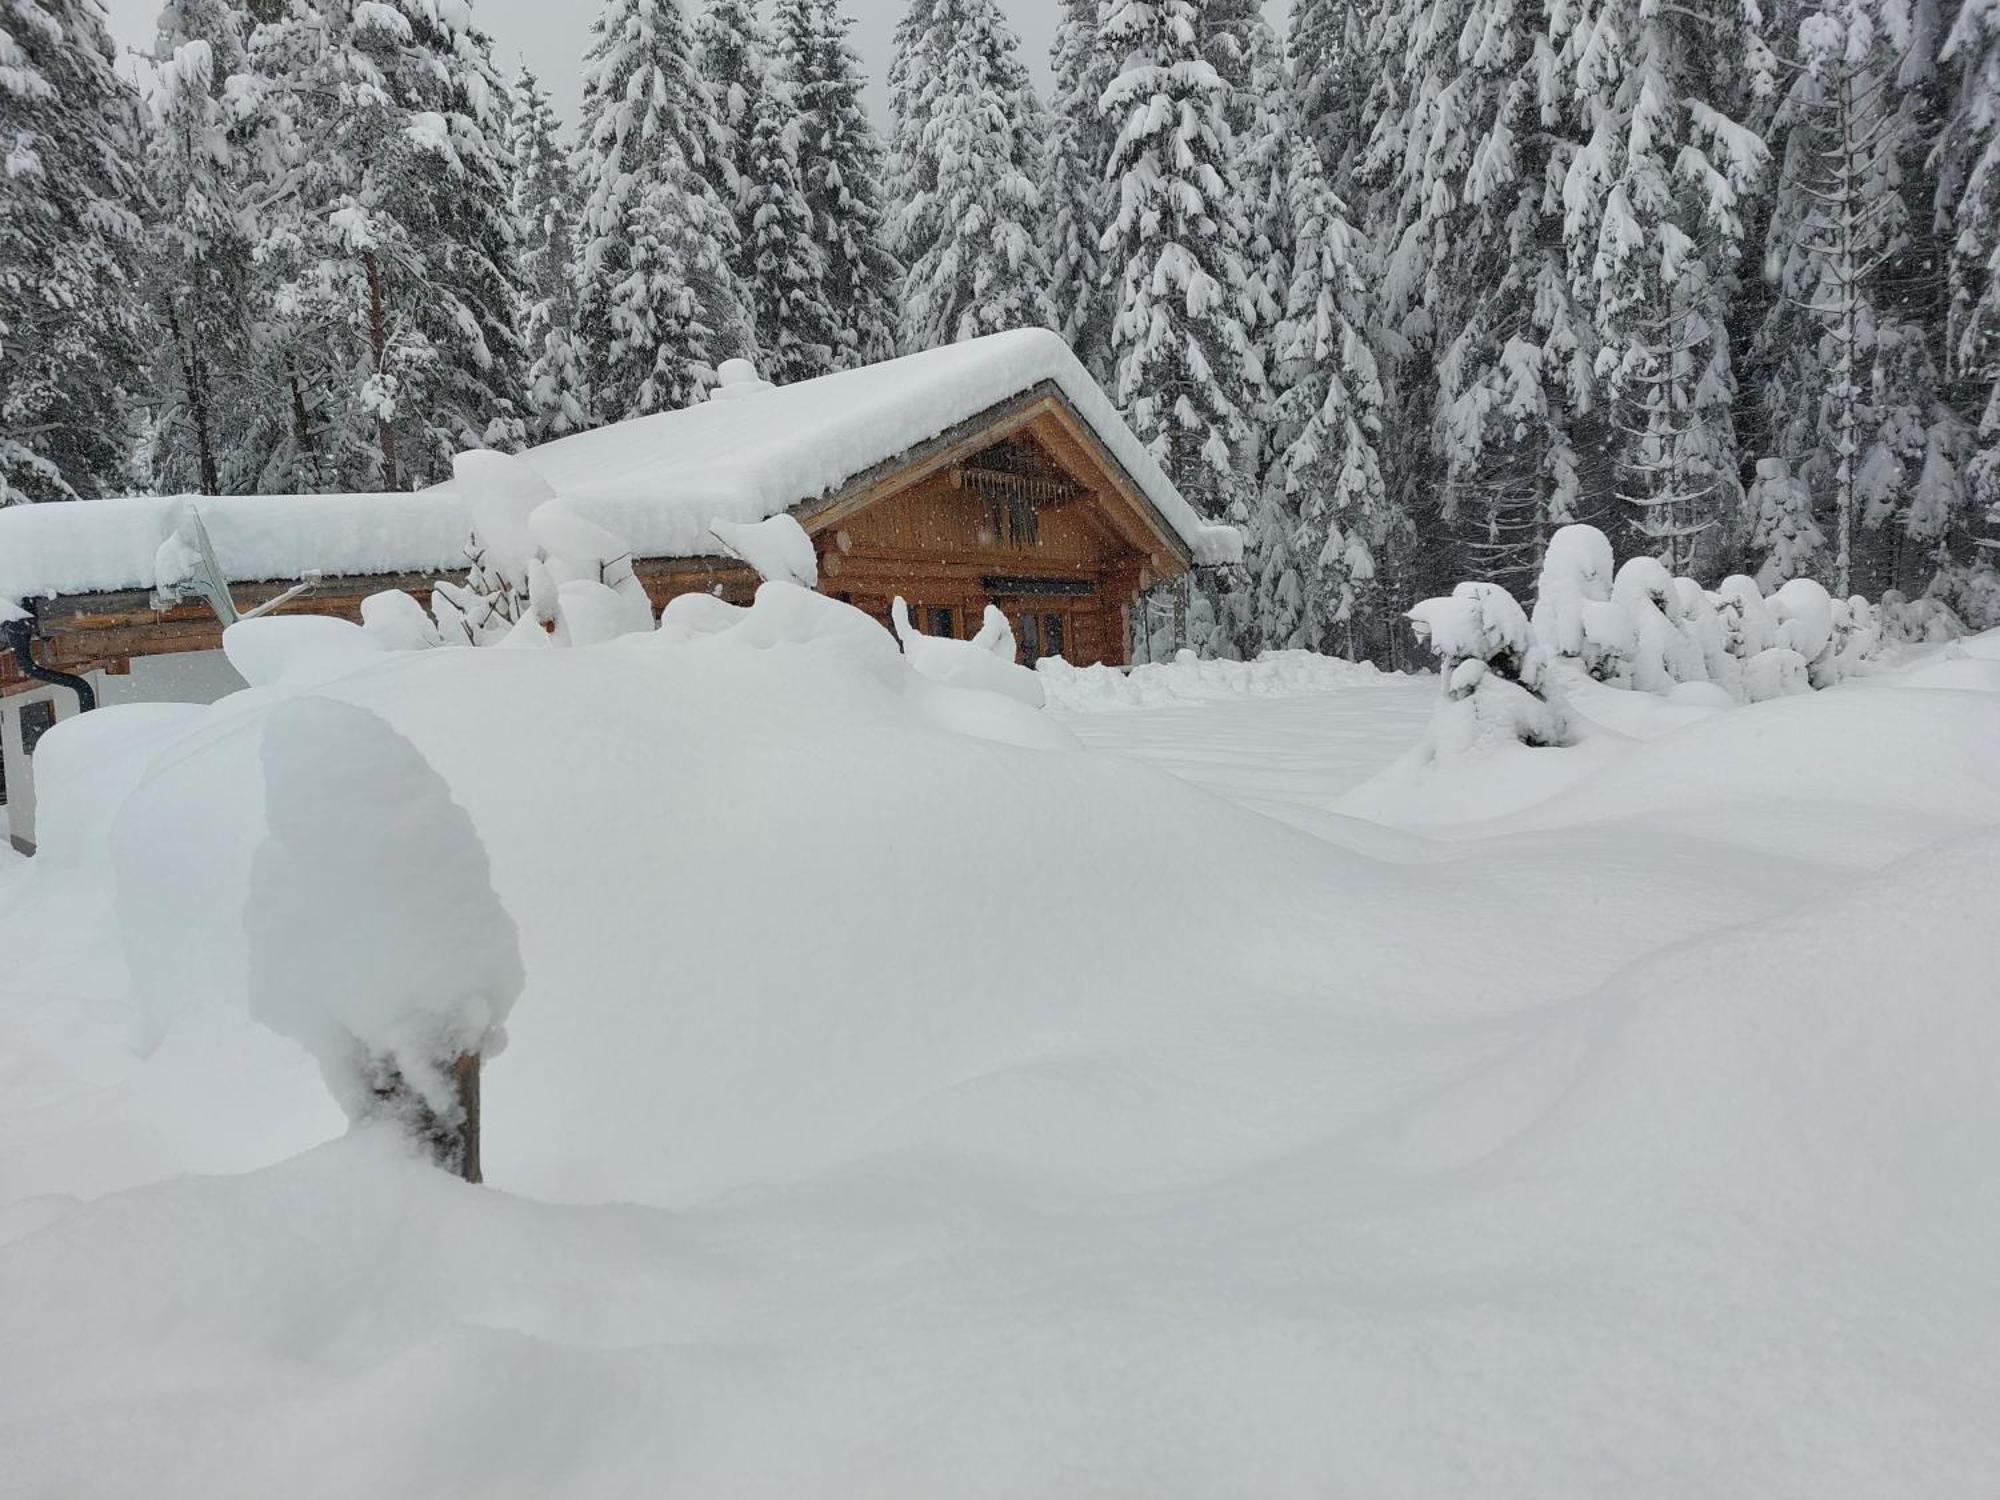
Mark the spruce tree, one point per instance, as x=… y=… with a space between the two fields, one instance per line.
x=658 y=304
x=1969 y=203
x=1653 y=226
x=389 y=121
x=840 y=168
x=796 y=329
x=1478 y=278
x=200 y=266
x=970 y=233
x=729 y=55
x=1185 y=371
x=71 y=200
x=779 y=265
x=1333 y=533
x=544 y=227
x=1079 y=199
x=1853 y=393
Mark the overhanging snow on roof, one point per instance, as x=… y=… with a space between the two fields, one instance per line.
x=659 y=482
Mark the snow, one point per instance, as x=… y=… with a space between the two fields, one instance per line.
x=778 y=549
x=87 y=546
x=657 y=485
x=375 y=939
x=664 y=480
x=1172 y=1092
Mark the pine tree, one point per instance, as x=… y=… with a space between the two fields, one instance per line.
x=389 y=121
x=1078 y=198
x=914 y=60
x=1333 y=56
x=71 y=325
x=970 y=232
x=1263 y=124
x=1186 y=372
x=200 y=265
x=658 y=304
x=754 y=169
x=1478 y=278
x=544 y=227
x=1852 y=391
x=840 y=165
x=1782 y=530
x=1969 y=203
x=1333 y=529
x=729 y=55
x=1653 y=225
x=796 y=328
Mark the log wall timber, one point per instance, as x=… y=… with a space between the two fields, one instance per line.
x=915 y=526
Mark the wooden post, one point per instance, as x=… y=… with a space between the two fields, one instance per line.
x=453 y=1144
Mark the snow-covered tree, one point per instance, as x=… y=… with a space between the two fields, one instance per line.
x=1852 y=390
x=1328 y=528
x=840 y=167
x=729 y=53
x=1263 y=124
x=544 y=220
x=387 y=122
x=201 y=244
x=71 y=320
x=1079 y=203
x=1782 y=529
x=754 y=168
x=1497 y=689
x=658 y=304
x=1653 y=223
x=969 y=231
x=1334 y=48
x=797 y=332
x=1969 y=203
x=1186 y=372
x=1477 y=277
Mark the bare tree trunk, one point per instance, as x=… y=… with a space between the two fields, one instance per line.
x=194 y=376
x=378 y=342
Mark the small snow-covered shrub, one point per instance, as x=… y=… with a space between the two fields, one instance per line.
x=1574 y=616
x=1925 y=619
x=1748 y=625
x=1656 y=633
x=1497 y=687
x=1664 y=651
x=1804 y=612
x=376 y=938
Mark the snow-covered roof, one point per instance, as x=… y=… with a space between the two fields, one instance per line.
x=658 y=482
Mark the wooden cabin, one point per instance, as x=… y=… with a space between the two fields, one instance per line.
x=990 y=472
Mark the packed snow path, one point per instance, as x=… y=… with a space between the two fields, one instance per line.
x=906 y=1101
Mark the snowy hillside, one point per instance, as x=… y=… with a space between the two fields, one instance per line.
x=1183 y=1091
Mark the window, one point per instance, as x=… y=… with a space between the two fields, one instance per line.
x=1031 y=637
x=1052 y=635
x=939 y=622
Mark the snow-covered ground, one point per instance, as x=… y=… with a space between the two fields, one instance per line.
x=1178 y=1092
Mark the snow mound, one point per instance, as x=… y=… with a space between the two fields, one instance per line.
x=778 y=549
x=375 y=938
x=882 y=1091
x=1099 y=689
x=299 y=650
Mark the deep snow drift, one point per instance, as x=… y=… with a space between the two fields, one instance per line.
x=915 y=1093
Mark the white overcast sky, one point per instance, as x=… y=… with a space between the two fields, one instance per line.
x=552 y=34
